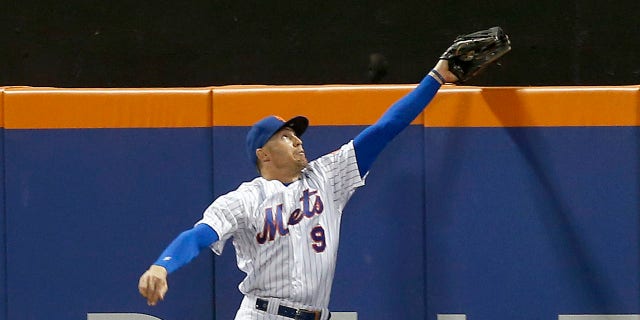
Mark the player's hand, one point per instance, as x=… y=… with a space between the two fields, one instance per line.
x=153 y=284
x=443 y=68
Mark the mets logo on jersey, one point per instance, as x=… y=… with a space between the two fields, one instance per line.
x=274 y=222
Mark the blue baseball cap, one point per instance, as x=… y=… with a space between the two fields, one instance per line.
x=264 y=129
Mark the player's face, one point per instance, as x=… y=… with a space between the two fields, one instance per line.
x=285 y=150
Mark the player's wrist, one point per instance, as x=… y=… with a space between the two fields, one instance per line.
x=437 y=75
x=158 y=270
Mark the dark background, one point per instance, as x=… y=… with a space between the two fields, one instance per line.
x=209 y=43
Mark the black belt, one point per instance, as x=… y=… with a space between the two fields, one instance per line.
x=293 y=313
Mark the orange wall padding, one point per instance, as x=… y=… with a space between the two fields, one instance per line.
x=535 y=107
x=1 y=107
x=107 y=108
x=453 y=106
x=323 y=105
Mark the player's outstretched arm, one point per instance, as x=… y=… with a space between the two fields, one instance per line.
x=153 y=283
x=370 y=142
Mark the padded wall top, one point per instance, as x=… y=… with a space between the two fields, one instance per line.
x=535 y=107
x=453 y=106
x=1 y=107
x=40 y=108
x=323 y=105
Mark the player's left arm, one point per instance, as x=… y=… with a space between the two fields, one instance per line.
x=372 y=140
x=153 y=283
x=186 y=247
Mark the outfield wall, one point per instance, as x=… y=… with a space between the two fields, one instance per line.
x=497 y=203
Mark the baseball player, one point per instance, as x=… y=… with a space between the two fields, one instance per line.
x=286 y=223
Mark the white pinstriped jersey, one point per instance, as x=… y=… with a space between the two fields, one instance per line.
x=286 y=236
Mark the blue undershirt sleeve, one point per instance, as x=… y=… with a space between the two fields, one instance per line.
x=186 y=246
x=372 y=140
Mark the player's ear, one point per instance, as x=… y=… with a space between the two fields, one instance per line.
x=262 y=155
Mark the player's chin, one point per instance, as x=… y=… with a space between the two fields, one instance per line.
x=302 y=162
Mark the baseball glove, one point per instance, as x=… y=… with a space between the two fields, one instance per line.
x=472 y=53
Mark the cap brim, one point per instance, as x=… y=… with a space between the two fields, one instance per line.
x=299 y=125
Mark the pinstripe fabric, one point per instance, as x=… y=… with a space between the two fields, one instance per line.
x=286 y=236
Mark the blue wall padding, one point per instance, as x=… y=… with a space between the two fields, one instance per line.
x=89 y=210
x=529 y=223
x=3 y=234
x=494 y=223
